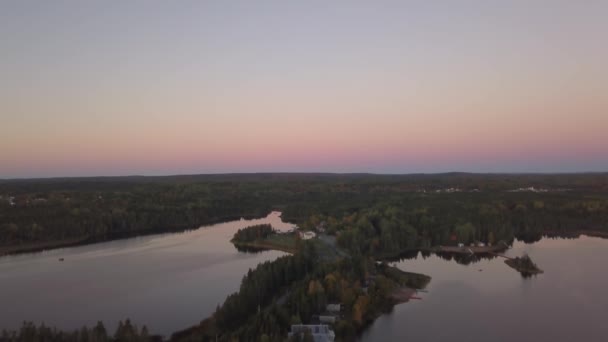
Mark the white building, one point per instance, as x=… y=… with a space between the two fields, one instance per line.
x=320 y=333
x=307 y=235
x=328 y=319
x=334 y=307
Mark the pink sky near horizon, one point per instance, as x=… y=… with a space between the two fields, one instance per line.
x=122 y=89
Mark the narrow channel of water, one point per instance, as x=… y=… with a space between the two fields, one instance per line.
x=166 y=281
x=488 y=301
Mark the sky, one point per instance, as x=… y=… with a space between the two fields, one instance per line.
x=90 y=88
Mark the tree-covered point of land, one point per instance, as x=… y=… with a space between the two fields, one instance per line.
x=252 y=233
x=524 y=265
x=293 y=289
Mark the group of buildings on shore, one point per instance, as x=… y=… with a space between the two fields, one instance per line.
x=307 y=234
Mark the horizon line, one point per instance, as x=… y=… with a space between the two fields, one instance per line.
x=305 y=173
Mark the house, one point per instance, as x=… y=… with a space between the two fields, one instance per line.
x=460 y=244
x=481 y=244
x=320 y=333
x=328 y=319
x=334 y=308
x=307 y=235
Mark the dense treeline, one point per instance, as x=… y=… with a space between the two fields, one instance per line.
x=412 y=221
x=126 y=331
x=257 y=289
x=94 y=209
x=252 y=233
x=102 y=215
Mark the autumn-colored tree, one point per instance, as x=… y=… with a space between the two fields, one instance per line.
x=360 y=308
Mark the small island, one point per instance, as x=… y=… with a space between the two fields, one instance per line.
x=524 y=265
x=263 y=237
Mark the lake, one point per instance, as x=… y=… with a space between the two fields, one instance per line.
x=166 y=281
x=172 y=281
x=489 y=301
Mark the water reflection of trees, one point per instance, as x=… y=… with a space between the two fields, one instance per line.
x=561 y=235
x=530 y=238
x=527 y=275
x=533 y=237
x=463 y=259
x=250 y=250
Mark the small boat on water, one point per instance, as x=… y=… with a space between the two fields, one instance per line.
x=60 y=259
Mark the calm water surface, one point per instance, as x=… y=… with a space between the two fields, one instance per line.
x=569 y=302
x=166 y=281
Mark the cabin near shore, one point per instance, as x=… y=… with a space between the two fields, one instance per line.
x=306 y=235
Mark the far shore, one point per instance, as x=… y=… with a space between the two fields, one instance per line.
x=577 y=233
x=465 y=250
x=41 y=246
x=265 y=245
x=472 y=249
x=33 y=247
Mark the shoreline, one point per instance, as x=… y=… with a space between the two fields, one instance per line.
x=466 y=250
x=576 y=233
x=264 y=246
x=36 y=247
x=403 y=295
x=486 y=250
x=400 y=295
x=524 y=271
x=42 y=246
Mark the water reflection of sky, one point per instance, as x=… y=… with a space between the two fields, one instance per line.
x=487 y=300
x=167 y=281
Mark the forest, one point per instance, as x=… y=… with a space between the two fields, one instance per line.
x=41 y=212
x=252 y=233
